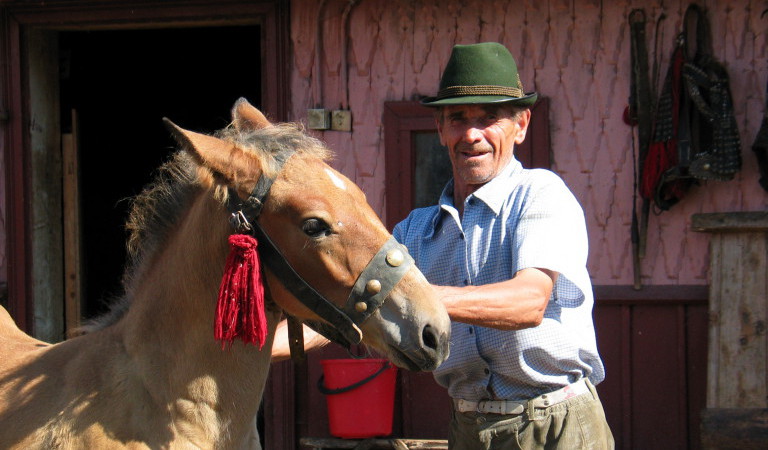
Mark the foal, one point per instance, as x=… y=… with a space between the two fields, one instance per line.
x=151 y=374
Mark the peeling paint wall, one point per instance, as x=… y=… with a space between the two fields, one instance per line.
x=576 y=52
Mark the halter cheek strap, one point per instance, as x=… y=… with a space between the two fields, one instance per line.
x=244 y=219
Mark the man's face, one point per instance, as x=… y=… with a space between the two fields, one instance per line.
x=480 y=140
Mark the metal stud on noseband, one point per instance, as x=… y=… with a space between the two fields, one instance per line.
x=369 y=292
x=377 y=280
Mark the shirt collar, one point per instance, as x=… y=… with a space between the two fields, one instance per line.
x=445 y=207
x=493 y=194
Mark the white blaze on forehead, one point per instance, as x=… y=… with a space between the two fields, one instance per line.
x=336 y=180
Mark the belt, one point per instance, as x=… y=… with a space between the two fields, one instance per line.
x=518 y=407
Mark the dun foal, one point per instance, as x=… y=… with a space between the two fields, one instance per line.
x=151 y=374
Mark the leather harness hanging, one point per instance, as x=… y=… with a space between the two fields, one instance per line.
x=640 y=113
x=760 y=147
x=696 y=135
x=370 y=291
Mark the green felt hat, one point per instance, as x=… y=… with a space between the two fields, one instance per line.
x=481 y=73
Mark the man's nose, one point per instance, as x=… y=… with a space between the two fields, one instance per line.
x=473 y=134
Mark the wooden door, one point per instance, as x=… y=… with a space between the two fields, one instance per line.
x=34 y=114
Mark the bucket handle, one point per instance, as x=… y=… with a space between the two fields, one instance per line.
x=328 y=391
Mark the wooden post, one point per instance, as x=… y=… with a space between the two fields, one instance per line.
x=737 y=376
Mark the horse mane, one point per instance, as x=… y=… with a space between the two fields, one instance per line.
x=160 y=205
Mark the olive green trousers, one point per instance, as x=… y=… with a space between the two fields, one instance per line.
x=577 y=423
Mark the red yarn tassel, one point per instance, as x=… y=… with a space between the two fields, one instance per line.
x=240 y=306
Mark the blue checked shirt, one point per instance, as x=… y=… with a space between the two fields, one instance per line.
x=520 y=219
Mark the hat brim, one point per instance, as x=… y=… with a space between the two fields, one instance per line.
x=528 y=100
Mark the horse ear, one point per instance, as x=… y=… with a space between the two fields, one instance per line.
x=216 y=154
x=246 y=117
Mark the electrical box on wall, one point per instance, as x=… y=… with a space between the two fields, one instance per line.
x=318 y=119
x=341 y=120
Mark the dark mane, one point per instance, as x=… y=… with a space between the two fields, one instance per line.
x=158 y=208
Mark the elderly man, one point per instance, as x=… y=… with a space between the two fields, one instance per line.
x=507 y=248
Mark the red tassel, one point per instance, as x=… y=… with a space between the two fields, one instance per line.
x=240 y=306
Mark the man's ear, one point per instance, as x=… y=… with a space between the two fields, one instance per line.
x=439 y=123
x=440 y=131
x=523 y=119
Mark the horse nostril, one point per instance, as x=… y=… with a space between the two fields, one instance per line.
x=429 y=337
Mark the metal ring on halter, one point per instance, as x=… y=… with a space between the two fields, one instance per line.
x=240 y=222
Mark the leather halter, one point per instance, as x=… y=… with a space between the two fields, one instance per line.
x=370 y=291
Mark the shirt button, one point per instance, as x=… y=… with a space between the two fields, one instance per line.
x=471 y=330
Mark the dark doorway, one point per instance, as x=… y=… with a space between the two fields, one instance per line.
x=121 y=84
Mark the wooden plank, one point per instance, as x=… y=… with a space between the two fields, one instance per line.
x=713 y=361
x=422 y=397
x=656 y=294
x=613 y=331
x=738 y=340
x=47 y=258
x=17 y=181
x=731 y=221
x=396 y=444
x=655 y=337
x=743 y=428
x=697 y=323
x=73 y=260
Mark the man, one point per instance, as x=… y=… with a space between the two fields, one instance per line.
x=506 y=248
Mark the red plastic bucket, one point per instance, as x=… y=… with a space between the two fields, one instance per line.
x=360 y=395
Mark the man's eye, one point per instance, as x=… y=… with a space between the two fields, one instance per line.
x=316 y=228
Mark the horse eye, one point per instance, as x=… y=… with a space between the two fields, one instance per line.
x=316 y=228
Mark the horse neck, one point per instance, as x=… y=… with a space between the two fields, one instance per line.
x=169 y=327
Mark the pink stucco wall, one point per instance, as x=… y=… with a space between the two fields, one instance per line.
x=576 y=52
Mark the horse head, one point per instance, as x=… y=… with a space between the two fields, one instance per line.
x=329 y=259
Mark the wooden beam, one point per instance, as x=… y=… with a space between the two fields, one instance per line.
x=744 y=429
x=73 y=260
x=395 y=443
x=742 y=221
